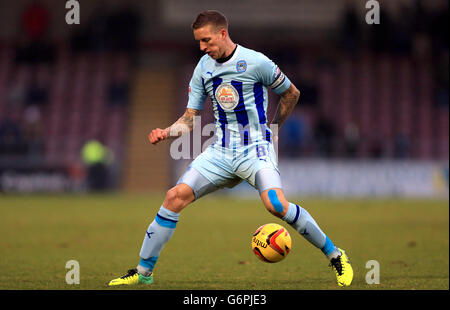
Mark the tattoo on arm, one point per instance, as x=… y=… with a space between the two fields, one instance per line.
x=184 y=124
x=287 y=103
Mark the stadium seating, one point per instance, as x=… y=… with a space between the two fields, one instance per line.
x=388 y=97
x=77 y=108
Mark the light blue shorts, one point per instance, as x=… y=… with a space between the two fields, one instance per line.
x=219 y=167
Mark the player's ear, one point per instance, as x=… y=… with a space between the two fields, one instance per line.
x=223 y=33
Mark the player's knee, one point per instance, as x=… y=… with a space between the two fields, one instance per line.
x=173 y=200
x=171 y=194
x=176 y=199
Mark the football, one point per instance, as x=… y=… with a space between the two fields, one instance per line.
x=271 y=243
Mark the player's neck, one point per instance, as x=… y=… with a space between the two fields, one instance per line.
x=229 y=53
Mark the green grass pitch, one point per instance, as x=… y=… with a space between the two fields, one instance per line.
x=211 y=245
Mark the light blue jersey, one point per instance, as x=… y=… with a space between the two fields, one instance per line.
x=238 y=91
x=243 y=144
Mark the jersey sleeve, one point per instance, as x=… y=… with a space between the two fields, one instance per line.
x=271 y=76
x=197 y=93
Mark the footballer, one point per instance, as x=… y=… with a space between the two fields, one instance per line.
x=237 y=80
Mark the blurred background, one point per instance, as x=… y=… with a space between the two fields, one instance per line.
x=78 y=101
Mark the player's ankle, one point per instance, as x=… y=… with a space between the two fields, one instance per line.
x=334 y=254
x=146 y=272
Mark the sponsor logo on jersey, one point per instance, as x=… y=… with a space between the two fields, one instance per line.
x=241 y=66
x=227 y=96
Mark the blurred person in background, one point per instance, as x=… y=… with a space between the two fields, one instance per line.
x=351 y=140
x=97 y=158
x=324 y=135
x=17 y=92
x=351 y=33
x=294 y=135
x=35 y=22
x=37 y=92
x=33 y=132
x=11 y=135
x=401 y=146
x=119 y=87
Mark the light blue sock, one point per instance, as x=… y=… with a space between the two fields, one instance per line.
x=302 y=222
x=158 y=233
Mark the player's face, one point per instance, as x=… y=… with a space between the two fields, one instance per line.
x=211 y=40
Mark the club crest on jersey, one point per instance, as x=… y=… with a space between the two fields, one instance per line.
x=227 y=96
x=241 y=66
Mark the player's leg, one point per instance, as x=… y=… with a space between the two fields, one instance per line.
x=157 y=235
x=191 y=186
x=269 y=186
x=276 y=203
x=262 y=173
x=163 y=226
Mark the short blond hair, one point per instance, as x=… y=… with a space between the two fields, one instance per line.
x=210 y=17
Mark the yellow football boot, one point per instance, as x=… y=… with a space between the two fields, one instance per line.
x=132 y=278
x=342 y=269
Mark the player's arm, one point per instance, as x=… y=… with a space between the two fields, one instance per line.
x=183 y=125
x=271 y=76
x=288 y=100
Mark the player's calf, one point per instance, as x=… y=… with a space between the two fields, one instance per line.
x=299 y=219
x=303 y=222
x=162 y=228
x=275 y=202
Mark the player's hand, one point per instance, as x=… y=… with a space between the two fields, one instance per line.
x=157 y=135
